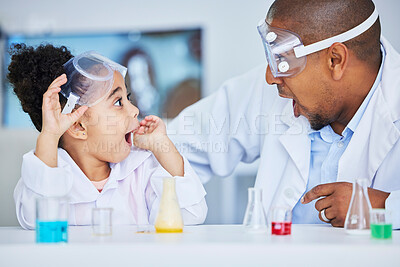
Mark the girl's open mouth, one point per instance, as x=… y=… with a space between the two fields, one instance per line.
x=128 y=138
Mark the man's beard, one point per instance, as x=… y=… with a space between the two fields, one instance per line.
x=317 y=122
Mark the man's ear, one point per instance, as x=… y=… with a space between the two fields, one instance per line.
x=338 y=57
x=78 y=130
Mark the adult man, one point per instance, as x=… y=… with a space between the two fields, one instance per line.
x=335 y=117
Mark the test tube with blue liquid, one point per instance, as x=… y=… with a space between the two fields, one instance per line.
x=52 y=219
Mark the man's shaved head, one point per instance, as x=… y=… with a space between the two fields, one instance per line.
x=315 y=20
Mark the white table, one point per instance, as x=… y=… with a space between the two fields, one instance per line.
x=205 y=245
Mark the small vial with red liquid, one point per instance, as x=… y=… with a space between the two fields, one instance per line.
x=281 y=221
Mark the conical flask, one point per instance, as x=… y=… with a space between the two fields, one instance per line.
x=358 y=214
x=169 y=217
x=254 y=218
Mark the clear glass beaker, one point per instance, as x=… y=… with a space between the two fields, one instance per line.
x=254 y=218
x=358 y=214
x=169 y=217
x=381 y=224
x=102 y=221
x=52 y=219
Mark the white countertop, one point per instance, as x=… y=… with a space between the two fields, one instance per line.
x=204 y=245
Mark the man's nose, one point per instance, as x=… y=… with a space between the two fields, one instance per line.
x=270 y=78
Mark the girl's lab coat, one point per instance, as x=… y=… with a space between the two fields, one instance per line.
x=133 y=190
x=246 y=119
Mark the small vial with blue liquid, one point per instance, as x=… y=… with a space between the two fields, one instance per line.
x=52 y=220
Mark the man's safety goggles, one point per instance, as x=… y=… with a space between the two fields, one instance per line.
x=285 y=52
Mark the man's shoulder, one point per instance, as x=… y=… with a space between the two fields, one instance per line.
x=390 y=82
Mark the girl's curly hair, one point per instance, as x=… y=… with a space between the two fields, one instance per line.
x=31 y=71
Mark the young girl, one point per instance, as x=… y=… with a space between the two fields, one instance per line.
x=88 y=154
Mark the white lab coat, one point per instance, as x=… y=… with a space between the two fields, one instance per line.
x=246 y=120
x=133 y=190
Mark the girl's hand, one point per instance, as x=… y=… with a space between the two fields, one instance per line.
x=151 y=135
x=53 y=122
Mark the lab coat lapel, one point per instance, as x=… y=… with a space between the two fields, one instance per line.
x=372 y=140
x=120 y=171
x=296 y=141
x=286 y=158
x=82 y=188
x=84 y=191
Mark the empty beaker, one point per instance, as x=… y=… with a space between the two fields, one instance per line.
x=254 y=218
x=281 y=220
x=102 y=221
x=358 y=214
x=52 y=219
x=381 y=224
x=169 y=217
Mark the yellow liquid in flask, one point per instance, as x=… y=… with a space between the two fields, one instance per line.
x=169 y=217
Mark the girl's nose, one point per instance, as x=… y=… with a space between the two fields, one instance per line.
x=134 y=110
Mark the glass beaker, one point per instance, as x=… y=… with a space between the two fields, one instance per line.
x=254 y=218
x=281 y=221
x=358 y=214
x=381 y=224
x=52 y=219
x=102 y=221
x=169 y=217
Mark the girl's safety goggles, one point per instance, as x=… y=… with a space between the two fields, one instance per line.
x=89 y=79
x=286 y=54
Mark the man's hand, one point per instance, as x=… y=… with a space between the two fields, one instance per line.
x=336 y=200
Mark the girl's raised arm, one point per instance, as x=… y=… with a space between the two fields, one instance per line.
x=54 y=124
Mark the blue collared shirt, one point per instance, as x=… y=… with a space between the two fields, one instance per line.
x=327 y=147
